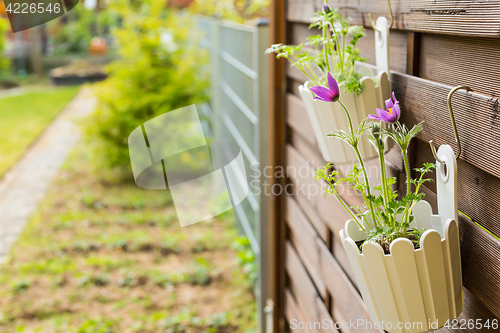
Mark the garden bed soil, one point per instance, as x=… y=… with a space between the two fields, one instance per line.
x=102 y=257
x=386 y=246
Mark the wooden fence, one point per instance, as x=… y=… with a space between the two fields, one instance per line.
x=435 y=45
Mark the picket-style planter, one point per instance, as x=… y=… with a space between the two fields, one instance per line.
x=414 y=286
x=328 y=117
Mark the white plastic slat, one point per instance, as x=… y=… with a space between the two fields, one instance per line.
x=425 y=286
x=396 y=287
x=451 y=247
x=408 y=281
x=377 y=273
x=422 y=212
x=433 y=253
x=353 y=231
x=384 y=91
x=360 y=275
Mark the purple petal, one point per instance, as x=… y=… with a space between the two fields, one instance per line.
x=323 y=99
x=386 y=116
x=380 y=111
x=394 y=98
x=374 y=117
x=322 y=93
x=333 y=85
x=389 y=104
x=396 y=110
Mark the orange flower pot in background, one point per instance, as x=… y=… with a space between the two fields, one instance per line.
x=98 y=46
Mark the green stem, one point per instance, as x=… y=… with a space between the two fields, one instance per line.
x=351 y=128
x=303 y=71
x=312 y=72
x=337 y=51
x=325 y=46
x=350 y=212
x=404 y=152
x=409 y=209
x=362 y=163
x=384 y=175
x=343 y=52
x=406 y=215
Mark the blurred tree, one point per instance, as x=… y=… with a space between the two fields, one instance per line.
x=4 y=29
x=233 y=10
x=160 y=69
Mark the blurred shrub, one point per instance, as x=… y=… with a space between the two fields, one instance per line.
x=75 y=30
x=160 y=69
x=245 y=257
x=233 y=10
x=7 y=80
x=4 y=28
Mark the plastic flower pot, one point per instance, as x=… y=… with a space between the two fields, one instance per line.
x=327 y=117
x=420 y=288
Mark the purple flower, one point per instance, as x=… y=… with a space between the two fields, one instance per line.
x=330 y=94
x=390 y=115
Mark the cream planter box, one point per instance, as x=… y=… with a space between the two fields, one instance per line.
x=327 y=117
x=414 y=286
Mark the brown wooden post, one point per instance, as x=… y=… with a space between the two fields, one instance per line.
x=276 y=123
x=413 y=53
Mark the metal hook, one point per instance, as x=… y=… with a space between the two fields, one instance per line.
x=392 y=17
x=453 y=124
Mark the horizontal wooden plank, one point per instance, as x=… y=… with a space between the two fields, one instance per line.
x=328 y=323
x=298 y=119
x=347 y=304
x=466 y=18
x=293 y=313
x=457 y=60
x=477 y=118
x=304 y=238
x=301 y=174
x=312 y=188
x=303 y=289
x=300 y=284
x=338 y=252
x=475 y=310
x=331 y=213
x=293 y=87
x=323 y=213
x=312 y=215
x=480 y=264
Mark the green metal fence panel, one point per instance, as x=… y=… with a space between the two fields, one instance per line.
x=239 y=99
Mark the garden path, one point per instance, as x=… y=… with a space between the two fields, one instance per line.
x=26 y=183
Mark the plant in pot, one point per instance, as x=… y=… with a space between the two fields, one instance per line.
x=406 y=261
x=335 y=51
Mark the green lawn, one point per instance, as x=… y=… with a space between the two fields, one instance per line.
x=112 y=258
x=24 y=117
